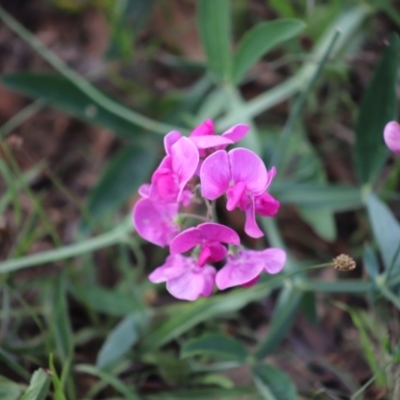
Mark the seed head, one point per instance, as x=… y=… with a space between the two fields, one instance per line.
x=343 y=262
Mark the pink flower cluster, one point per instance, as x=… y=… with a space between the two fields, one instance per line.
x=199 y=167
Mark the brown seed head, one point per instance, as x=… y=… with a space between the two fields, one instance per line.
x=343 y=262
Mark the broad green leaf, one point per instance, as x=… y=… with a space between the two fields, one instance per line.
x=61 y=93
x=215 y=345
x=110 y=302
x=242 y=393
x=378 y=106
x=128 y=392
x=260 y=39
x=121 y=339
x=273 y=384
x=281 y=322
x=9 y=390
x=321 y=221
x=214 y=24
x=38 y=387
x=386 y=231
x=370 y=262
x=121 y=178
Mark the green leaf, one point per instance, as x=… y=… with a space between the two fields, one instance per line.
x=57 y=382
x=63 y=94
x=121 y=339
x=322 y=222
x=273 y=384
x=370 y=262
x=38 y=387
x=106 y=301
x=122 y=177
x=216 y=346
x=127 y=391
x=214 y=24
x=321 y=196
x=378 y=106
x=386 y=231
x=281 y=322
x=9 y=390
x=59 y=319
x=11 y=363
x=260 y=39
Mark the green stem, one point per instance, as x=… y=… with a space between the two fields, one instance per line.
x=80 y=82
x=105 y=240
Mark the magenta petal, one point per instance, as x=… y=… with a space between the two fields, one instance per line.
x=250 y=226
x=206 y=142
x=274 y=260
x=234 y=195
x=215 y=175
x=144 y=190
x=247 y=167
x=211 y=231
x=185 y=241
x=170 y=139
x=391 y=135
x=271 y=175
x=237 y=271
x=213 y=252
x=204 y=129
x=185 y=158
x=173 y=267
x=209 y=280
x=237 y=132
x=252 y=282
x=266 y=205
x=155 y=222
x=188 y=286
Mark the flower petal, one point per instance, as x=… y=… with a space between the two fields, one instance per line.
x=206 y=142
x=211 y=231
x=391 y=135
x=173 y=267
x=155 y=222
x=237 y=271
x=170 y=139
x=235 y=195
x=215 y=175
x=266 y=205
x=237 y=132
x=185 y=241
x=250 y=227
x=209 y=280
x=188 y=286
x=247 y=167
x=204 y=129
x=274 y=260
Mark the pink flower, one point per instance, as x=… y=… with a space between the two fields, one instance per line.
x=242 y=175
x=209 y=236
x=169 y=180
x=155 y=221
x=185 y=279
x=391 y=135
x=245 y=269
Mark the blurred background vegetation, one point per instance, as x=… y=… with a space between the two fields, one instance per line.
x=88 y=89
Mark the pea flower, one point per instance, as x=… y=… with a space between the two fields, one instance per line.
x=155 y=221
x=245 y=268
x=242 y=175
x=169 y=180
x=209 y=237
x=391 y=135
x=184 y=278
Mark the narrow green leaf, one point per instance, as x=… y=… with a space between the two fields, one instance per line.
x=59 y=321
x=122 y=177
x=121 y=339
x=61 y=93
x=378 y=106
x=11 y=363
x=57 y=383
x=281 y=322
x=315 y=195
x=216 y=346
x=260 y=39
x=127 y=391
x=370 y=262
x=214 y=24
x=339 y=286
x=386 y=231
x=38 y=387
x=273 y=384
